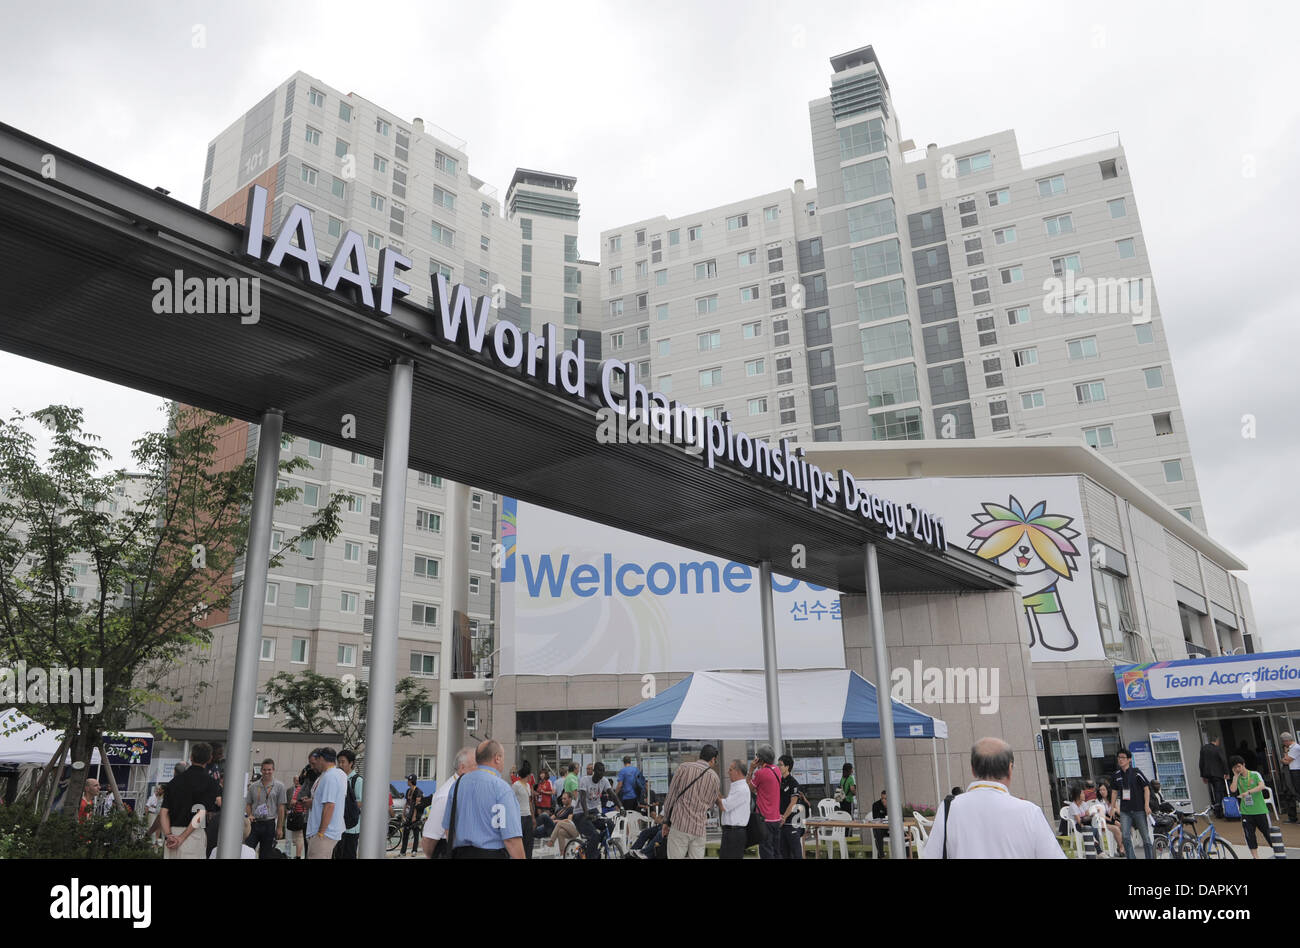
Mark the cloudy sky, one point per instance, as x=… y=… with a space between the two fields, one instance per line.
x=669 y=107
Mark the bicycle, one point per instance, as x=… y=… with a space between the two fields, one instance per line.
x=607 y=847
x=1177 y=845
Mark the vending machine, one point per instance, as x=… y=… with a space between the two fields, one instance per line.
x=1167 y=762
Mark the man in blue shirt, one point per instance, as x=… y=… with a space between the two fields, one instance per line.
x=325 y=822
x=482 y=818
x=626 y=787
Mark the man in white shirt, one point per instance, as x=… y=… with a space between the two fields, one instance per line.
x=434 y=834
x=987 y=822
x=735 y=813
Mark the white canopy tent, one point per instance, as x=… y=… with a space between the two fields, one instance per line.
x=24 y=742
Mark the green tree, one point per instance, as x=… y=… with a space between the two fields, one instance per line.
x=161 y=543
x=312 y=703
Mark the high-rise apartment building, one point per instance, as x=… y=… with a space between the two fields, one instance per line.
x=406 y=185
x=966 y=291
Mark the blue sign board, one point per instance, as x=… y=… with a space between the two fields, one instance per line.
x=1225 y=679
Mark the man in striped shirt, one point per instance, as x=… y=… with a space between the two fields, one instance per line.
x=693 y=790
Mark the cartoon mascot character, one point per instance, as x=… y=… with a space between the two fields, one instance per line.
x=1041 y=554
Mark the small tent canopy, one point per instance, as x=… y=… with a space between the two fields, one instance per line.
x=23 y=741
x=836 y=704
x=815 y=705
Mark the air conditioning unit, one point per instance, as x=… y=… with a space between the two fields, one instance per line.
x=471 y=719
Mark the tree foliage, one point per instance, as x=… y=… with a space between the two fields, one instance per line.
x=312 y=703
x=159 y=547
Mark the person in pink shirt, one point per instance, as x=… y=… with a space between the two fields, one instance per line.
x=765 y=780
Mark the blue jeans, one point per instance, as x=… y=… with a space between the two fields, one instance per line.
x=1127 y=820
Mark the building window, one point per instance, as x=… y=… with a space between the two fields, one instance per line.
x=665 y=384
x=710 y=377
x=1070 y=262
x=999 y=197
x=1163 y=422
x=642 y=335
x=1173 y=471
x=642 y=269
x=1012 y=275
x=642 y=302
x=751 y=330
x=444 y=198
x=1144 y=334
x=335 y=227
x=615 y=309
x=1117 y=208
x=674 y=237
x=272 y=593
x=424 y=614
x=1126 y=248
x=661 y=278
x=268 y=650
x=338 y=188
x=1155 y=377
x=301 y=596
x=428 y=520
x=351 y=552
x=1108 y=169
x=381 y=164
x=382 y=127
x=475 y=542
x=1086 y=393
x=705 y=305
x=260 y=709
x=1023 y=357
x=892 y=385
x=313 y=135
x=309 y=174
x=710 y=340
x=1018 y=316
x=341 y=148
x=483 y=243
x=442 y=234
x=695 y=232
x=1085 y=348
x=445 y=163
x=737 y=222
x=706 y=270
x=316 y=97
x=1004 y=235
x=310 y=495
x=426 y=716
x=1053 y=185
x=424 y=664
x=1184 y=512
x=664 y=347
x=1031 y=400
x=298 y=651
x=345 y=112
x=473 y=585
x=426 y=567
x=811 y=208
x=756 y=406
x=969 y=164
x=1101 y=436
x=307 y=548
x=476 y=502
x=348 y=653
x=1062 y=224
x=754 y=367
x=640 y=238
x=428 y=480
x=615 y=276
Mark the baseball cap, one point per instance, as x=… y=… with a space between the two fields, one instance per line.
x=412 y=777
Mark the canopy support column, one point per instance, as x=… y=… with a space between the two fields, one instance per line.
x=388 y=592
x=243 y=699
x=770 y=663
x=893 y=784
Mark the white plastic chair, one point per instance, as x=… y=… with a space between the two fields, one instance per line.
x=826 y=806
x=921 y=835
x=1076 y=837
x=1268 y=800
x=831 y=837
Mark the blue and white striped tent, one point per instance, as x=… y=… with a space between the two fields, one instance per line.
x=815 y=705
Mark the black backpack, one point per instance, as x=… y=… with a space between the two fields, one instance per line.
x=351 y=809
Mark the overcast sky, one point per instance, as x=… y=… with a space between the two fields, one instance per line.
x=666 y=108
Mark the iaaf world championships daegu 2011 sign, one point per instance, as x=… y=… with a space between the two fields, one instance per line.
x=458 y=321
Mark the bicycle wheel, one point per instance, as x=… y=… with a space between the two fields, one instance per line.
x=394 y=834
x=1160 y=845
x=573 y=849
x=1189 y=850
x=616 y=849
x=1221 y=849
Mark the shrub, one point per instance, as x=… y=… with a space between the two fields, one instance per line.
x=115 y=836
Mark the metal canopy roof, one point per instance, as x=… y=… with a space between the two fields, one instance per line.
x=78 y=256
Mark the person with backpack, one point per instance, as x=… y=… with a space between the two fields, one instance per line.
x=630 y=786
x=1249 y=787
x=347 y=847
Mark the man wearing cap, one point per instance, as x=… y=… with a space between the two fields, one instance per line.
x=411 y=814
x=482 y=820
x=328 y=793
